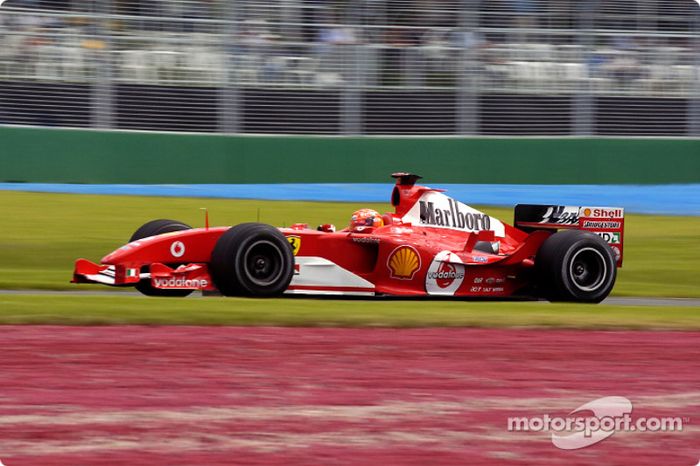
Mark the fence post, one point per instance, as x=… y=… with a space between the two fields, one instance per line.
x=352 y=61
x=584 y=103
x=351 y=94
x=229 y=92
x=468 y=69
x=694 y=101
x=102 y=87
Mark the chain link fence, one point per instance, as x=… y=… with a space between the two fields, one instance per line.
x=445 y=67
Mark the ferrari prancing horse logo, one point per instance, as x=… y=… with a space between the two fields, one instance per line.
x=295 y=241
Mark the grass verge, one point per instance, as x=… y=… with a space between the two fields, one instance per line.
x=136 y=310
x=42 y=234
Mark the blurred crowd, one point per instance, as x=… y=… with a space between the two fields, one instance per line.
x=647 y=46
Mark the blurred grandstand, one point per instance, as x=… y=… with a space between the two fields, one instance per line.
x=459 y=67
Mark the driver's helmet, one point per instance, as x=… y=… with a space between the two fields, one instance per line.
x=365 y=218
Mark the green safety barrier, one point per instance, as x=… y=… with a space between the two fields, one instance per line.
x=87 y=156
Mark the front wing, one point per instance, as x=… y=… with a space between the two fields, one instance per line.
x=184 y=277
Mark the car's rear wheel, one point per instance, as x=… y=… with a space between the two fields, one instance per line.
x=576 y=265
x=153 y=228
x=252 y=259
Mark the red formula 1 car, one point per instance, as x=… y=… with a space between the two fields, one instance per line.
x=432 y=245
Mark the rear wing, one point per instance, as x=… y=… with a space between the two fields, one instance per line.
x=606 y=222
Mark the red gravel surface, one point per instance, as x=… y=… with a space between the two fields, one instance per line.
x=210 y=396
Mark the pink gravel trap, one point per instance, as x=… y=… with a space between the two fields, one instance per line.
x=208 y=395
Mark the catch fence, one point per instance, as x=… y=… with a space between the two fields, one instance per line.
x=356 y=67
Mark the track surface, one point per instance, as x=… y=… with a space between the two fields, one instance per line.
x=208 y=396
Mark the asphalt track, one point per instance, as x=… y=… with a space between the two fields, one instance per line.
x=227 y=395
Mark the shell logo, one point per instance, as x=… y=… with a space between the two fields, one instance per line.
x=403 y=263
x=587 y=212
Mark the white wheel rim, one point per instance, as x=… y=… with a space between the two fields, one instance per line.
x=588 y=269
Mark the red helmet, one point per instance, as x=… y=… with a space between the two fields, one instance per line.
x=365 y=218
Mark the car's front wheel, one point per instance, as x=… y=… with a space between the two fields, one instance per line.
x=153 y=228
x=576 y=265
x=252 y=259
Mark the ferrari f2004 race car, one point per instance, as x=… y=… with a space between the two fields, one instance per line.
x=431 y=245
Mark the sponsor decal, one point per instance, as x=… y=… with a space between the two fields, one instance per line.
x=489 y=289
x=401 y=230
x=445 y=274
x=452 y=217
x=480 y=259
x=601 y=224
x=177 y=249
x=295 y=242
x=365 y=239
x=602 y=212
x=180 y=283
x=610 y=237
x=436 y=210
x=617 y=253
x=403 y=263
x=561 y=215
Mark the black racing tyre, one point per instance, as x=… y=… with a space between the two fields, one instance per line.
x=152 y=228
x=158 y=227
x=575 y=265
x=252 y=259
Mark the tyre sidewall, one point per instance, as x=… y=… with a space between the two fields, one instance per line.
x=228 y=260
x=153 y=228
x=566 y=283
x=554 y=265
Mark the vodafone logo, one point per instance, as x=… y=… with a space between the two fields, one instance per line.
x=177 y=249
x=165 y=283
x=445 y=274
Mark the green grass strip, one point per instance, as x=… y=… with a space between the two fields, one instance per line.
x=136 y=310
x=42 y=234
